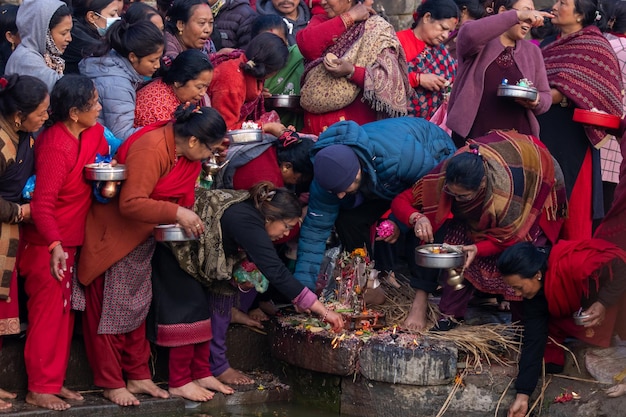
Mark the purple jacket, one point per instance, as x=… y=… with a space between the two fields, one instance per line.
x=478 y=45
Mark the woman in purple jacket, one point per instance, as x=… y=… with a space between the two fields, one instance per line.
x=488 y=51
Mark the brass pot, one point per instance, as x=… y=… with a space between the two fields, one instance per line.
x=455 y=279
x=109 y=189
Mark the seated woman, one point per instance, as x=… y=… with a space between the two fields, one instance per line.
x=185 y=81
x=499 y=190
x=237 y=87
x=587 y=276
x=240 y=225
x=132 y=52
x=366 y=80
x=163 y=162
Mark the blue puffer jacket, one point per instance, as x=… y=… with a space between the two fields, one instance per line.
x=234 y=23
x=394 y=154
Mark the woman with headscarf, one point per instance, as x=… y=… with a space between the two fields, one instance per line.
x=500 y=189
x=45 y=28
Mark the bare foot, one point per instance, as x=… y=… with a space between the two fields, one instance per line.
x=49 y=401
x=240 y=317
x=258 y=315
x=210 y=382
x=68 y=394
x=5 y=405
x=416 y=320
x=234 y=377
x=121 y=396
x=7 y=395
x=146 y=386
x=192 y=392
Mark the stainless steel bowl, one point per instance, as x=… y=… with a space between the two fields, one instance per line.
x=245 y=135
x=105 y=172
x=171 y=233
x=284 y=101
x=424 y=256
x=517 y=91
x=579 y=317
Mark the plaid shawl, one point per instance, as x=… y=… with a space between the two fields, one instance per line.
x=583 y=67
x=521 y=183
x=204 y=259
x=373 y=44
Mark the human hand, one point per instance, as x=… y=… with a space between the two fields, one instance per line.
x=534 y=18
x=190 y=221
x=360 y=12
x=266 y=93
x=58 y=265
x=338 y=67
x=470 y=252
x=393 y=237
x=596 y=313
x=531 y=105
x=519 y=408
x=335 y=320
x=422 y=227
x=433 y=82
x=274 y=128
x=26 y=212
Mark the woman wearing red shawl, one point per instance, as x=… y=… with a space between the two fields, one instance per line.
x=431 y=67
x=355 y=67
x=587 y=276
x=58 y=208
x=24 y=103
x=236 y=90
x=584 y=73
x=500 y=189
x=162 y=163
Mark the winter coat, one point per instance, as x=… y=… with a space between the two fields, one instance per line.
x=234 y=23
x=117 y=82
x=265 y=7
x=33 y=18
x=394 y=153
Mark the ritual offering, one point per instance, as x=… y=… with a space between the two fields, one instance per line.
x=103 y=171
x=579 y=316
x=329 y=58
x=439 y=255
x=595 y=117
x=522 y=89
x=249 y=132
x=385 y=229
x=354 y=274
x=171 y=233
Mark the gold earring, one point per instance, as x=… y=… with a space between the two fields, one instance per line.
x=180 y=32
x=578 y=20
x=18 y=124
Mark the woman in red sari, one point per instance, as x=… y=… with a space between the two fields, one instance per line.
x=58 y=208
x=355 y=67
x=587 y=276
x=431 y=67
x=24 y=105
x=162 y=163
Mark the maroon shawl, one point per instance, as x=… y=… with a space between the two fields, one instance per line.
x=583 y=67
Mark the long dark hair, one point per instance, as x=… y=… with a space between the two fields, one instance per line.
x=523 y=259
x=205 y=123
x=466 y=170
x=8 y=13
x=142 y=38
x=275 y=203
x=138 y=11
x=21 y=94
x=438 y=9
x=187 y=66
x=71 y=91
x=266 y=53
x=297 y=154
x=593 y=13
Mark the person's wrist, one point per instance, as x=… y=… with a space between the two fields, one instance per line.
x=351 y=74
x=415 y=217
x=347 y=19
x=54 y=245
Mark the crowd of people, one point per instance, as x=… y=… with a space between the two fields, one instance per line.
x=400 y=125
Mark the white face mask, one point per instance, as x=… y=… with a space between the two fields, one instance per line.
x=110 y=21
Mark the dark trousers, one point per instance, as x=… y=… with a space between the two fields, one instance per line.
x=354 y=226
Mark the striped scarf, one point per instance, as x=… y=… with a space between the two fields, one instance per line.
x=583 y=67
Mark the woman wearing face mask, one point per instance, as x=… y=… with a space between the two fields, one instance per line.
x=91 y=19
x=44 y=26
x=133 y=53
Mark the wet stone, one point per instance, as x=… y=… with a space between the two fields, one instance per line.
x=313 y=351
x=414 y=364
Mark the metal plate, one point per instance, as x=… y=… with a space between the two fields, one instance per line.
x=105 y=172
x=425 y=257
x=171 y=233
x=283 y=101
x=516 y=91
x=245 y=135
